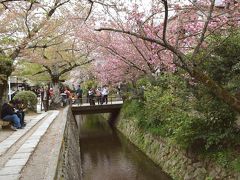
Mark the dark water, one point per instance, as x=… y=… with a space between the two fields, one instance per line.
x=107 y=155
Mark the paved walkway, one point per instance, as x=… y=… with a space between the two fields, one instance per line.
x=17 y=147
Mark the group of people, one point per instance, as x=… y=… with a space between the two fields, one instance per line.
x=14 y=112
x=101 y=95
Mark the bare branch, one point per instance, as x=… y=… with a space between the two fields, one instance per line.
x=74 y=66
x=5 y=1
x=178 y=53
x=40 y=72
x=43 y=46
x=142 y=55
x=124 y=59
x=104 y=4
x=90 y=10
x=26 y=18
x=147 y=19
x=47 y=69
x=204 y=29
x=165 y=20
x=56 y=5
x=199 y=8
x=35 y=30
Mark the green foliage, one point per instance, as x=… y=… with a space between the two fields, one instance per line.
x=218 y=124
x=218 y=119
x=7 y=40
x=188 y=113
x=236 y=164
x=222 y=158
x=133 y=108
x=168 y=111
x=90 y=84
x=29 y=70
x=226 y=158
x=193 y=118
x=6 y=65
x=208 y=178
x=223 y=64
x=32 y=1
x=29 y=99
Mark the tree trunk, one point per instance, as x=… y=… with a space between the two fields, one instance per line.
x=56 y=98
x=3 y=93
x=220 y=92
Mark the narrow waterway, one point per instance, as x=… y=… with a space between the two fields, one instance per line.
x=107 y=155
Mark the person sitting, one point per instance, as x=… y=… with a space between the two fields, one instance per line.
x=20 y=111
x=8 y=114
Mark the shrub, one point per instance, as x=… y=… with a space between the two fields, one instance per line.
x=218 y=126
x=193 y=118
x=133 y=108
x=165 y=107
x=29 y=99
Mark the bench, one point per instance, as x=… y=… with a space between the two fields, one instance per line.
x=4 y=123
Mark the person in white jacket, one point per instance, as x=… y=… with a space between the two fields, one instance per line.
x=105 y=93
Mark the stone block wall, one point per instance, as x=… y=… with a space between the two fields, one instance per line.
x=69 y=165
x=172 y=159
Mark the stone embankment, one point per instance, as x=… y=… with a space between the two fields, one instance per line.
x=69 y=165
x=172 y=159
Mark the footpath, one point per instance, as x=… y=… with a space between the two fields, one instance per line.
x=32 y=152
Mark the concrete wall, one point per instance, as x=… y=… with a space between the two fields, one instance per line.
x=69 y=165
x=171 y=158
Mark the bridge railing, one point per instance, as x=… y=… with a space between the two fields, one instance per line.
x=96 y=100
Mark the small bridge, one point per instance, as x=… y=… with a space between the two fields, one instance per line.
x=113 y=107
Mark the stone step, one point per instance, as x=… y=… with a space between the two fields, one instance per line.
x=12 y=139
x=13 y=167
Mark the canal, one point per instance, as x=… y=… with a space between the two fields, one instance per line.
x=107 y=155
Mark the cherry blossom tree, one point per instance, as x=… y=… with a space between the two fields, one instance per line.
x=58 y=59
x=183 y=29
x=28 y=25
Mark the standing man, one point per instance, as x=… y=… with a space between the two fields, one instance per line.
x=98 y=95
x=79 y=93
x=91 y=94
x=105 y=93
x=45 y=98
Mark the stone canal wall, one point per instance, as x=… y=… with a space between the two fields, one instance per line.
x=69 y=165
x=171 y=158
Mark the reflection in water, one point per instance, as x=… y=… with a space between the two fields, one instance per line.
x=107 y=155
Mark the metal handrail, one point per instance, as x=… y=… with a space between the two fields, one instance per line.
x=96 y=99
